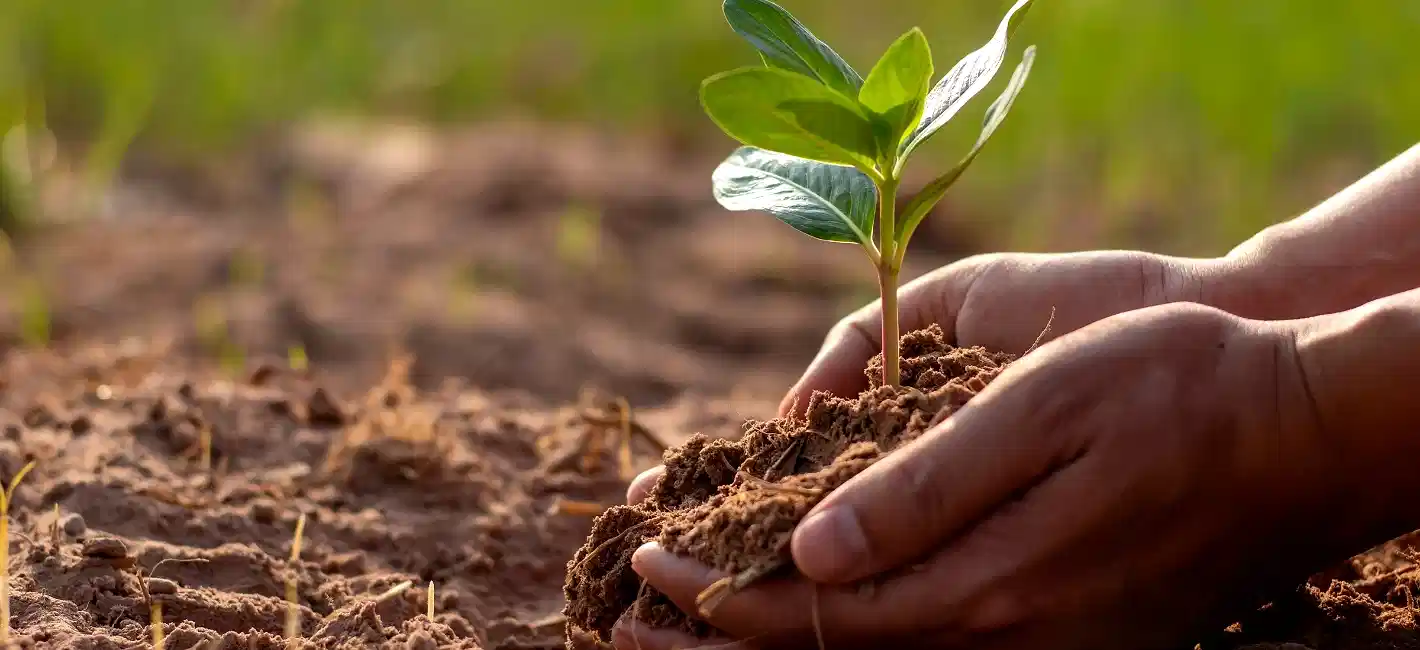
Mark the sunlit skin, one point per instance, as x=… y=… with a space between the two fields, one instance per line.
x=1186 y=418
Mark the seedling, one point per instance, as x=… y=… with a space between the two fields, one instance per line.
x=429 y=602
x=6 y=497
x=825 y=147
x=293 y=605
x=296 y=357
x=204 y=445
x=155 y=611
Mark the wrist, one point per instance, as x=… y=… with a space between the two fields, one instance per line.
x=1247 y=283
x=1234 y=284
x=1355 y=367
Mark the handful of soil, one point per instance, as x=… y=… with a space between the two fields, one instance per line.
x=733 y=505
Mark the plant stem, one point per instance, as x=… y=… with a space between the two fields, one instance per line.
x=5 y=575
x=887 y=279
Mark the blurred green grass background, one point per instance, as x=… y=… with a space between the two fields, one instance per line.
x=1181 y=125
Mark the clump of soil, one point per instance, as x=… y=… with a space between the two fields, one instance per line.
x=733 y=505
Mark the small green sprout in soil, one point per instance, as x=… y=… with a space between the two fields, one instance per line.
x=825 y=147
x=6 y=497
x=296 y=358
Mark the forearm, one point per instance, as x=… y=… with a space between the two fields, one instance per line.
x=1361 y=368
x=1359 y=245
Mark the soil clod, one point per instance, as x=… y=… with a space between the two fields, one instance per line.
x=733 y=505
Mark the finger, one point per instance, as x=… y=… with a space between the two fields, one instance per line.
x=785 y=613
x=1003 y=576
x=935 y=486
x=630 y=634
x=838 y=368
x=643 y=483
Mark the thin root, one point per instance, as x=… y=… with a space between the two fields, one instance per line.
x=1041 y=339
x=779 y=487
x=716 y=593
x=619 y=536
x=795 y=449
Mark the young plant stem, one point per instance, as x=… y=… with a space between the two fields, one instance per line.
x=5 y=577
x=887 y=279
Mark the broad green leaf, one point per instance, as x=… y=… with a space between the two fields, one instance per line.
x=787 y=112
x=829 y=202
x=965 y=80
x=785 y=43
x=921 y=204
x=896 y=88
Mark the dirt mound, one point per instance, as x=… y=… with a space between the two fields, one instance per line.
x=734 y=504
x=154 y=487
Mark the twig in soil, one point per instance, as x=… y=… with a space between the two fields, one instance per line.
x=794 y=449
x=627 y=467
x=572 y=507
x=394 y=591
x=728 y=586
x=204 y=443
x=6 y=497
x=779 y=487
x=55 y=531
x=607 y=544
x=429 y=602
x=548 y=621
x=293 y=607
x=597 y=416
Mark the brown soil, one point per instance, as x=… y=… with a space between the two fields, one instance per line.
x=535 y=274
x=733 y=505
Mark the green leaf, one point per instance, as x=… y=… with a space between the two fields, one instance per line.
x=965 y=80
x=917 y=209
x=786 y=44
x=896 y=89
x=787 y=112
x=829 y=202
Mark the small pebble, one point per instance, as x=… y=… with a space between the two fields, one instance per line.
x=73 y=524
x=105 y=547
x=161 y=586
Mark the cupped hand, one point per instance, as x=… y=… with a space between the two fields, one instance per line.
x=1129 y=485
x=1002 y=302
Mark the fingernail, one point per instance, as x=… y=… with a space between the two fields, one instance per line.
x=643 y=555
x=829 y=544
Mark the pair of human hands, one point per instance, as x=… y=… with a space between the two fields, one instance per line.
x=1123 y=486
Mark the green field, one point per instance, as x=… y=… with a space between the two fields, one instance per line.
x=1179 y=125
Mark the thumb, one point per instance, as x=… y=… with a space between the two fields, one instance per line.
x=838 y=368
x=929 y=490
